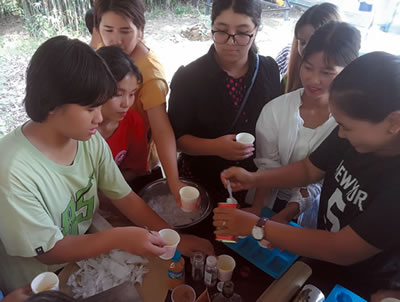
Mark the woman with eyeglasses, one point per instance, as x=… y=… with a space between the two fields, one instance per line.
x=220 y=95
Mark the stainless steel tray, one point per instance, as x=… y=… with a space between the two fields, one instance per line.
x=158 y=191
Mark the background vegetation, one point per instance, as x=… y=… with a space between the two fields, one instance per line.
x=46 y=18
x=25 y=24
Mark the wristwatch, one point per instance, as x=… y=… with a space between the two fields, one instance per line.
x=258 y=230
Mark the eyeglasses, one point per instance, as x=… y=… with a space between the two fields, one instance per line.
x=222 y=37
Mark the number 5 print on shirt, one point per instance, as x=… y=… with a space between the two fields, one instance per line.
x=335 y=203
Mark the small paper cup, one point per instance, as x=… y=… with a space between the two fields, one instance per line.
x=245 y=138
x=189 y=197
x=225 y=264
x=172 y=238
x=44 y=282
x=183 y=293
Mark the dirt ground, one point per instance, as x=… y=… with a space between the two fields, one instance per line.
x=175 y=40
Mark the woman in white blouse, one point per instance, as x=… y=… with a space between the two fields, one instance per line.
x=293 y=125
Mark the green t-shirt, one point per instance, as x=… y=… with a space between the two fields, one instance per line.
x=41 y=201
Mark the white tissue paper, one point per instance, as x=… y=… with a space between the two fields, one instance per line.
x=99 y=274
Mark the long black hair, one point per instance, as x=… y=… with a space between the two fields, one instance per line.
x=119 y=62
x=317 y=16
x=132 y=9
x=340 y=43
x=251 y=8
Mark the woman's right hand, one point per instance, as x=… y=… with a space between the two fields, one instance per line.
x=239 y=178
x=141 y=242
x=228 y=148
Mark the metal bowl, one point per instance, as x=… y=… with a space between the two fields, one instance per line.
x=157 y=194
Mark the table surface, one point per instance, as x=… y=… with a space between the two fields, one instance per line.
x=249 y=285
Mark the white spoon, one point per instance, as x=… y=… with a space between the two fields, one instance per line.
x=230 y=199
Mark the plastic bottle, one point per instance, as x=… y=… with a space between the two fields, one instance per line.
x=197 y=261
x=210 y=272
x=227 y=295
x=176 y=271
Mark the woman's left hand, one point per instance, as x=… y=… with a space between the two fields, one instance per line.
x=190 y=244
x=233 y=222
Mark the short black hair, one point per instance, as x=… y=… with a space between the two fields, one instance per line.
x=340 y=43
x=51 y=296
x=368 y=88
x=65 y=71
x=89 y=20
x=119 y=63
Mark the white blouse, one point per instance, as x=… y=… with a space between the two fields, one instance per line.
x=281 y=139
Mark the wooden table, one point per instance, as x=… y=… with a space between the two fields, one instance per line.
x=250 y=282
x=154 y=286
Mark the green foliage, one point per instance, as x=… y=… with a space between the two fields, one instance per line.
x=41 y=26
x=10 y=7
x=157 y=8
x=46 y=18
x=151 y=4
x=181 y=9
x=156 y=12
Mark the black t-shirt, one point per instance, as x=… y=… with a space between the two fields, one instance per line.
x=362 y=191
x=200 y=106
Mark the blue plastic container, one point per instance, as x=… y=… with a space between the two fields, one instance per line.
x=1 y=295
x=274 y=262
x=341 y=294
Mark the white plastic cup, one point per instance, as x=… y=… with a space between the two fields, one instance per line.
x=183 y=293
x=245 y=138
x=172 y=238
x=225 y=264
x=44 y=282
x=189 y=197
